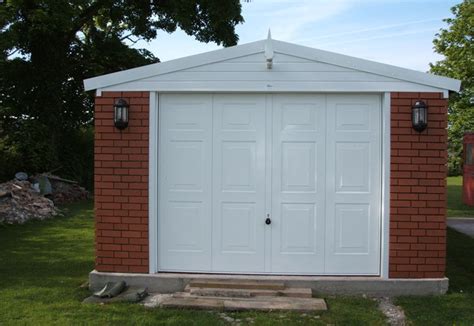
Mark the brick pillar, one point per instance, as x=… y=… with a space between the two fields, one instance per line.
x=418 y=188
x=121 y=185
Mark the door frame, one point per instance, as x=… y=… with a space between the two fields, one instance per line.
x=154 y=107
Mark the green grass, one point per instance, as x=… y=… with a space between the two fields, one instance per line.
x=43 y=264
x=455 y=206
x=456 y=307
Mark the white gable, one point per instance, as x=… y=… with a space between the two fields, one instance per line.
x=295 y=68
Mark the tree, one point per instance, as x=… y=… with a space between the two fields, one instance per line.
x=48 y=47
x=456 y=44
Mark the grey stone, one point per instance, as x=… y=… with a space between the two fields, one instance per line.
x=193 y=303
x=248 y=293
x=327 y=285
x=276 y=304
x=464 y=225
x=237 y=284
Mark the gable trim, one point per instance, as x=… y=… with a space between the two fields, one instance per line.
x=315 y=55
x=161 y=68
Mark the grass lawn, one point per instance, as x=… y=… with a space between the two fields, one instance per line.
x=43 y=264
x=455 y=206
x=456 y=307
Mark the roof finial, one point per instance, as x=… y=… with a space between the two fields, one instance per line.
x=269 y=50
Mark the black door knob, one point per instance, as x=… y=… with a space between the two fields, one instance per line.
x=268 y=221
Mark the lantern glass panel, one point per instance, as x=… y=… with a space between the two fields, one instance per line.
x=419 y=116
x=121 y=114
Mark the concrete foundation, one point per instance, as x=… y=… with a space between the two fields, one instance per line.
x=321 y=285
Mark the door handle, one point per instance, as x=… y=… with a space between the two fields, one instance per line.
x=268 y=221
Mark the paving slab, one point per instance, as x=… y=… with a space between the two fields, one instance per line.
x=188 y=301
x=248 y=293
x=462 y=224
x=276 y=304
x=237 y=284
x=193 y=303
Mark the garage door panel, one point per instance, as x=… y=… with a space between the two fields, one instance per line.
x=239 y=224
x=188 y=172
x=352 y=225
x=184 y=192
x=239 y=117
x=353 y=166
x=353 y=186
x=239 y=166
x=298 y=171
x=310 y=162
x=352 y=117
x=238 y=183
x=298 y=144
x=298 y=219
x=185 y=116
x=186 y=229
x=298 y=117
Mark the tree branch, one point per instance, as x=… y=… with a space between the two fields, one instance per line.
x=87 y=15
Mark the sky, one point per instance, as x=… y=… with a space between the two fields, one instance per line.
x=397 y=32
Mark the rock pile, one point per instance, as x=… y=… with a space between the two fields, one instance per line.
x=66 y=191
x=25 y=199
x=20 y=202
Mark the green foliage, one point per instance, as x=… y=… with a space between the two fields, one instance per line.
x=456 y=44
x=48 y=47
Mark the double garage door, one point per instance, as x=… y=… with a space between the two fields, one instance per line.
x=261 y=183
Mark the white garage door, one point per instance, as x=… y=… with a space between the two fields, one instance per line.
x=285 y=184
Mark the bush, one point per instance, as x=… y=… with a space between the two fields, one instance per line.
x=33 y=148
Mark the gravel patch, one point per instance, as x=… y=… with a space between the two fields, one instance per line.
x=395 y=315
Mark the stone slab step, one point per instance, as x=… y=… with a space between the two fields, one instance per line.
x=234 y=304
x=273 y=304
x=193 y=303
x=237 y=284
x=248 y=293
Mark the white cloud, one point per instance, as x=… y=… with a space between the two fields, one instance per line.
x=288 y=19
x=380 y=30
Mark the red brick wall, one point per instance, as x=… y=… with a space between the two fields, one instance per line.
x=121 y=185
x=418 y=189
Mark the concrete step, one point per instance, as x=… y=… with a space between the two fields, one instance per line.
x=237 y=284
x=185 y=300
x=248 y=293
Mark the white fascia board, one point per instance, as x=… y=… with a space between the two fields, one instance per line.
x=337 y=59
x=160 y=68
x=270 y=86
x=403 y=74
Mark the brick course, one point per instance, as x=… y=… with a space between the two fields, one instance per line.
x=417 y=199
x=418 y=188
x=121 y=185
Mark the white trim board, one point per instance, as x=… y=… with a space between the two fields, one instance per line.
x=153 y=184
x=384 y=197
x=121 y=80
